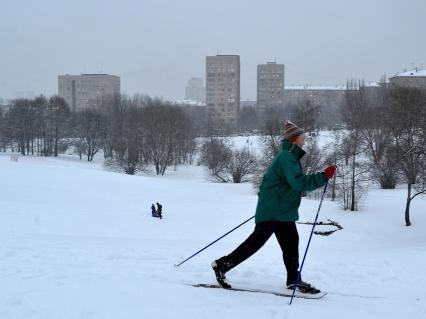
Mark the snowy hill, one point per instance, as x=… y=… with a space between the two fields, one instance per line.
x=77 y=241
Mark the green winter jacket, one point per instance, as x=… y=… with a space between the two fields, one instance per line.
x=282 y=186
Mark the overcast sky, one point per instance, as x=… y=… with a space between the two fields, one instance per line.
x=156 y=45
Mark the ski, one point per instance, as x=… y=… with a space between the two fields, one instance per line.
x=287 y=292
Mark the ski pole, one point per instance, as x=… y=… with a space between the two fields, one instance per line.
x=307 y=246
x=177 y=265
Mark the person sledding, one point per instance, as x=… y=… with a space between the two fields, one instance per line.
x=159 y=210
x=277 y=210
x=153 y=211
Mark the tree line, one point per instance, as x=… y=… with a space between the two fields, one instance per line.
x=381 y=138
x=132 y=132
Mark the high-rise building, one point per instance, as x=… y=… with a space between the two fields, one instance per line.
x=81 y=91
x=195 y=90
x=223 y=90
x=270 y=86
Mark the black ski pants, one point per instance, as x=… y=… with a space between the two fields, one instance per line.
x=288 y=239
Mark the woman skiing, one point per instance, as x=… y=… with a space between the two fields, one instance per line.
x=277 y=209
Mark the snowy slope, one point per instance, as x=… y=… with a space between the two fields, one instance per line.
x=78 y=242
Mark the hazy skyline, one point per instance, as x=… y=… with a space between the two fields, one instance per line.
x=156 y=46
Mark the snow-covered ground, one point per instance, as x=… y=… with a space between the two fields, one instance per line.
x=77 y=241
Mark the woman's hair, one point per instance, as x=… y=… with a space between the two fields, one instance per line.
x=294 y=139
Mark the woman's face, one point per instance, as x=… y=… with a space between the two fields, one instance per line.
x=300 y=140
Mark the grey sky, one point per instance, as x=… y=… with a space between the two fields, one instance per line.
x=156 y=45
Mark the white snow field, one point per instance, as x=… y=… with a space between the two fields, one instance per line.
x=77 y=241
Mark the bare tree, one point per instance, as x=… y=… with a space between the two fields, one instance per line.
x=216 y=154
x=115 y=108
x=271 y=141
x=3 y=138
x=354 y=115
x=40 y=105
x=185 y=147
x=241 y=165
x=306 y=114
x=89 y=127
x=168 y=134
x=19 y=123
x=378 y=141
x=129 y=153
x=406 y=118
x=226 y=165
x=333 y=154
x=350 y=183
x=58 y=115
x=312 y=162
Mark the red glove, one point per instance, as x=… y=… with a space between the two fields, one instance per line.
x=329 y=171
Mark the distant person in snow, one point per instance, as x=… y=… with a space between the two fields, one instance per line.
x=153 y=211
x=277 y=209
x=160 y=210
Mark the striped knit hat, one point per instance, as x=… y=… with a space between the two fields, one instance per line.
x=291 y=131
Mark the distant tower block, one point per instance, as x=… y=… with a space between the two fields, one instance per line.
x=223 y=89
x=81 y=91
